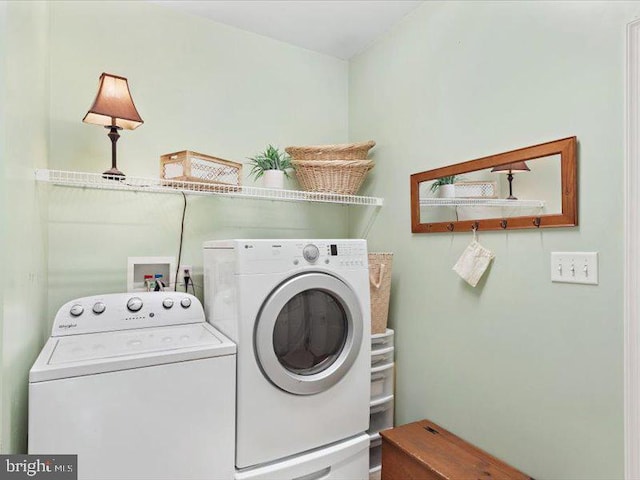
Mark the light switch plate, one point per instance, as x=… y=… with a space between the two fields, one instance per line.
x=574 y=267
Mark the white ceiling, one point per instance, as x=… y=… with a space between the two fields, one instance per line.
x=340 y=28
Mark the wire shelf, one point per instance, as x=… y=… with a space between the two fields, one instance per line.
x=160 y=185
x=480 y=202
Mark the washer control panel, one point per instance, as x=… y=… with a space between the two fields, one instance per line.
x=125 y=311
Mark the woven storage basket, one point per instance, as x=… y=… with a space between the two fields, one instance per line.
x=484 y=189
x=210 y=173
x=339 y=176
x=348 y=151
x=380 y=288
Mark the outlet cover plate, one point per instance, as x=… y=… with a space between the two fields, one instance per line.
x=181 y=274
x=574 y=267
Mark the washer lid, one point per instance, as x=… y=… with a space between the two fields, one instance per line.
x=94 y=353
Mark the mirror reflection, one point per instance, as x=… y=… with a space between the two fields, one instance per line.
x=525 y=188
x=531 y=187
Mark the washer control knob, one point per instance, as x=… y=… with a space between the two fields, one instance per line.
x=99 y=308
x=76 y=310
x=167 y=303
x=134 y=304
x=310 y=253
x=185 y=302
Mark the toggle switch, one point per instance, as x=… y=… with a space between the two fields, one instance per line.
x=574 y=267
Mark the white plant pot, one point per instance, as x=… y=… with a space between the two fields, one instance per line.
x=273 y=179
x=447 y=191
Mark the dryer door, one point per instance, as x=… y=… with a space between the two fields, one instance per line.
x=308 y=333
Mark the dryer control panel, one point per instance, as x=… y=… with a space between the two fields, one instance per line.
x=348 y=254
x=272 y=256
x=126 y=311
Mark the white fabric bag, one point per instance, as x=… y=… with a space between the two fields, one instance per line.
x=473 y=262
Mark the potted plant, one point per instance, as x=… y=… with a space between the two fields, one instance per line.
x=444 y=186
x=272 y=165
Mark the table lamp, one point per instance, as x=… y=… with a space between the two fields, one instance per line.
x=113 y=108
x=510 y=169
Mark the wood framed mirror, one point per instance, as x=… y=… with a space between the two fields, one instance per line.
x=532 y=187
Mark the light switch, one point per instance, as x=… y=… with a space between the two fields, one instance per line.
x=574 y=267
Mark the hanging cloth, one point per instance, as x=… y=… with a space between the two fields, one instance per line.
x=473 y=262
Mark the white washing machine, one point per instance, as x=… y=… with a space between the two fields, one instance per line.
x=299 y=313
x=139 y=386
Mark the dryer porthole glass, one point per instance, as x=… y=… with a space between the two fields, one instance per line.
x=310 y=332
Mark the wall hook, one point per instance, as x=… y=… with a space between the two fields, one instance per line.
x=503 y=224
x=450 y=227
x=475 y=226
x=536 y=222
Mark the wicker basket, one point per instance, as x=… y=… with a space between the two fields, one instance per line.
x=339 y=176
x=380 y=289
x=348 y=151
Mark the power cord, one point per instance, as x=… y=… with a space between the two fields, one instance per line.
x=188 y=280
x=184 y=211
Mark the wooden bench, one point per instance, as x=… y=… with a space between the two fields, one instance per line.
x=425 y=451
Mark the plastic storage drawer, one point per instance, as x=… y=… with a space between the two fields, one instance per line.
x=382 y=381
x=375 y=452
x=381 y=414
x=382 y=356
x=382 y=340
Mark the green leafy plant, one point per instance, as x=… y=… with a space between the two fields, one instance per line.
x=270 y=159
x=442 y=181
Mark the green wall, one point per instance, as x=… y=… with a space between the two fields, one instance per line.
x=529 y=370
x=198 y=85
x=3 y=201
x=24 y=89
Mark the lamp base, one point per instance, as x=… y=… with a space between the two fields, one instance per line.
x=113 y=174
x=510 y=178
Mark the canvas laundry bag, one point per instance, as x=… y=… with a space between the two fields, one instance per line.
x=473 y=262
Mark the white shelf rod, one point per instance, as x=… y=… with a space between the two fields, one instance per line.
x=157 y=185
x=479 y=202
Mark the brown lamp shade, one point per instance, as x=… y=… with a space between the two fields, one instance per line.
x=512 y=168
x=113 y=104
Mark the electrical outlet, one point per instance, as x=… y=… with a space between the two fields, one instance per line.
x=181 y=272
x=574 y=267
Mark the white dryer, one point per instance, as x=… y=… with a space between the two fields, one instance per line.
x=299 y=313
x=139 y=386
